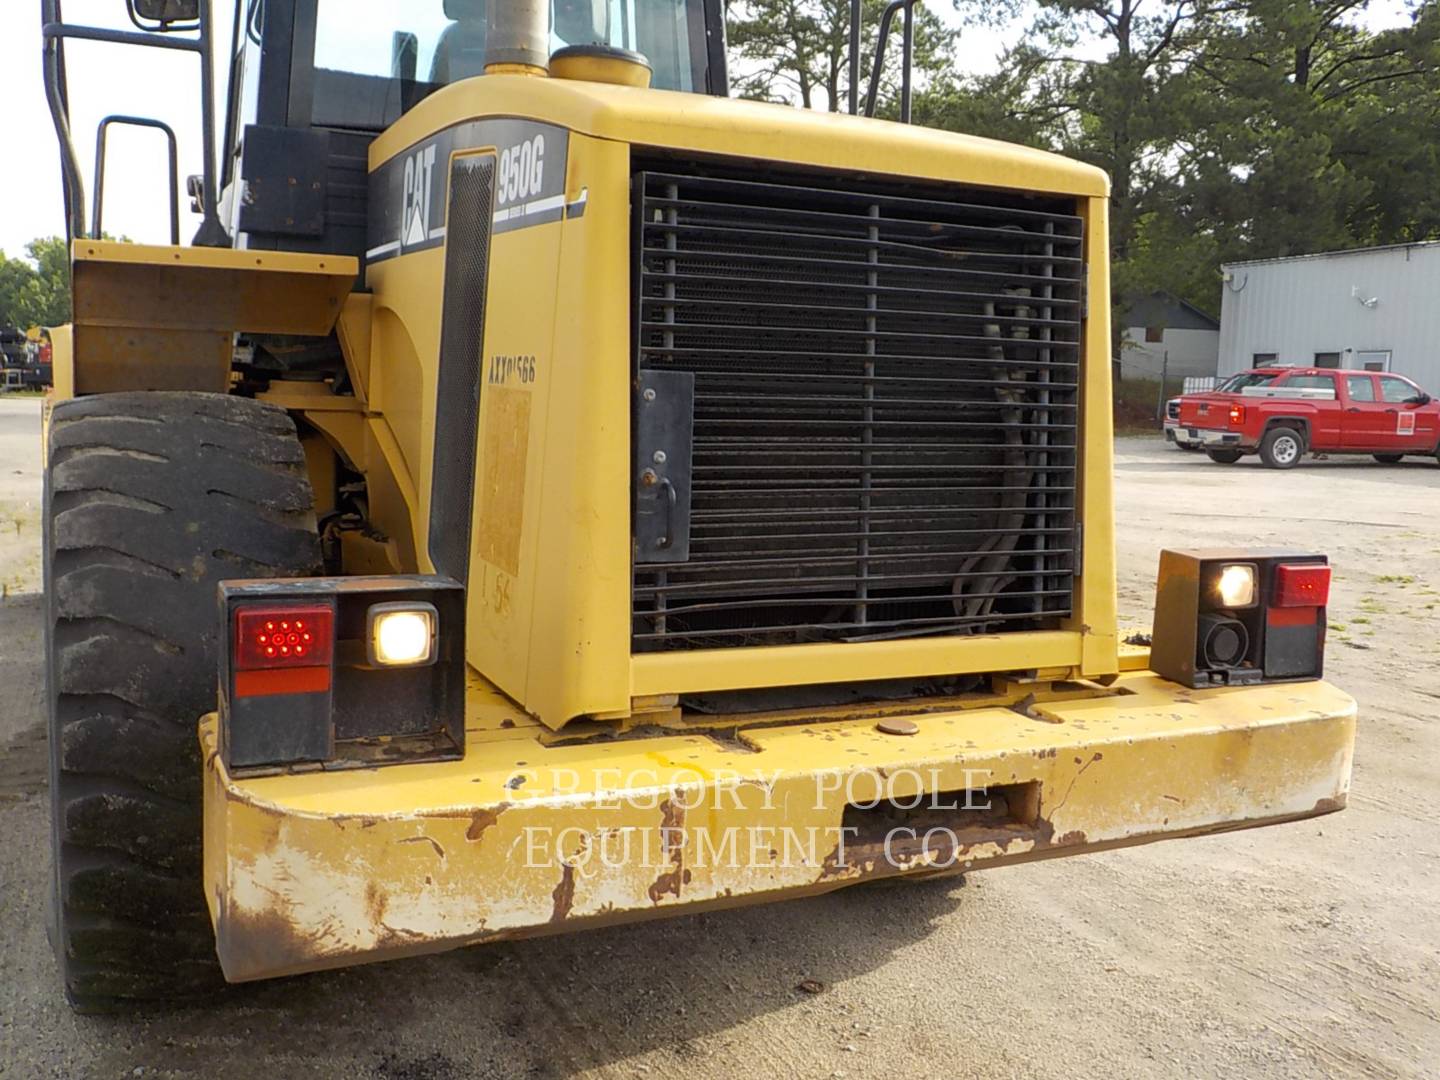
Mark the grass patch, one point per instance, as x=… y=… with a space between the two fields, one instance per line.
x=19 y=548
x=18 y=519
x=23 y=580
x=1396 y=579
x=1360 y=620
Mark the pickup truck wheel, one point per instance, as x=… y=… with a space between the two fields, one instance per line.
x=1389 y=459
x=1224 y=457
x=151 y=499
x=1281 y=448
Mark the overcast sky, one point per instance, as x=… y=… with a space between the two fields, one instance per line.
x=106 y=79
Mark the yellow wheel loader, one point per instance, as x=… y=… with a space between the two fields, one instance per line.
x=549 y=493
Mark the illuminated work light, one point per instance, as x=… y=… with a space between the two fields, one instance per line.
x=1236 y=586
x=1232 y=618
x=402 y=634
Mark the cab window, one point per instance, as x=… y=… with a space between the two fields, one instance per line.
x=1395 y=389
x=376 y=59
x=1310 y=382
x=1360 y=387
x=1237 y=383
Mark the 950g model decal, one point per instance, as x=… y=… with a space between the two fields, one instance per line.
x=408 y=193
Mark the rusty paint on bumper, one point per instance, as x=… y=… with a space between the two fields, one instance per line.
x=325 y=869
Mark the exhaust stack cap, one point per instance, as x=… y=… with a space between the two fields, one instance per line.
x=602 y=64
x=519 y=37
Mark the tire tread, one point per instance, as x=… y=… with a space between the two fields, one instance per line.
x=152 y=500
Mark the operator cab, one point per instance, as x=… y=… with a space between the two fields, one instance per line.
x=314 y=81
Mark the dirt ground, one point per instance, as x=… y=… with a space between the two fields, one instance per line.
x=1306 y=950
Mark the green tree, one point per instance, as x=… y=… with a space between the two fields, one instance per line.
x=798 y=50
x=1117 y=110
x=36 y=292
x=1304 y=132
x=1231 y=128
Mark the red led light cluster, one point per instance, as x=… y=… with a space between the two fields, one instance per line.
x=281 y=637
x=1302 y=585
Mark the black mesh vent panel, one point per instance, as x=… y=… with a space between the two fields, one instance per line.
x=886 y=395
x=462 y=335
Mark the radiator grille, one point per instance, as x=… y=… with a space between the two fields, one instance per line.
x=886 y=393
x=462 y=332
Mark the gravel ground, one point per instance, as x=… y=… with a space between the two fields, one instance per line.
x=1305 y=950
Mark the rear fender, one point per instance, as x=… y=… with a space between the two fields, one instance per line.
x=1300 y=423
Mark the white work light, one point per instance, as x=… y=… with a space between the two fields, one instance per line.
x=1237 y=585
x=402 y=634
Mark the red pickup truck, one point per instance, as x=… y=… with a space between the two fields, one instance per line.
x=1285 y=413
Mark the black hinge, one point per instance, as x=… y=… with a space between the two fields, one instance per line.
x=1079 y=548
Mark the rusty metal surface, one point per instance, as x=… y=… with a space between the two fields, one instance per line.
x=322 y=870
x=163 y=318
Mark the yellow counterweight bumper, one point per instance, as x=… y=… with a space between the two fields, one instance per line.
x=322 y=869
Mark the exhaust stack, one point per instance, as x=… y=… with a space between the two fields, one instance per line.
x=519 y=39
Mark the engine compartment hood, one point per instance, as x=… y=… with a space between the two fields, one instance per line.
x=726 y=126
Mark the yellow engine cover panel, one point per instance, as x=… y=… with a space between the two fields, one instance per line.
x=549 y=527
x=517 y=370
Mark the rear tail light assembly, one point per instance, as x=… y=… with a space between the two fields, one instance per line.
x=1302 y=585
x=283 y=649
x=341 y=672
x=1237 y=415
x=1234 y=618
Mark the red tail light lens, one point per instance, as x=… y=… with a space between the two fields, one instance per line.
x=283 y=637
x=1302 y=586
x=1237 y=414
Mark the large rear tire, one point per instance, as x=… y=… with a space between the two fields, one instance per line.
x=1224 y=457
x=151 y=500
x=1389 y=459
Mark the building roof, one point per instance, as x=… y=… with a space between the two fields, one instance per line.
x=1160 y=308
x=1333 y=254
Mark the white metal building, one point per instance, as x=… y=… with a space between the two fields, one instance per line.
x=1375 y=309
x=1160 y=333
